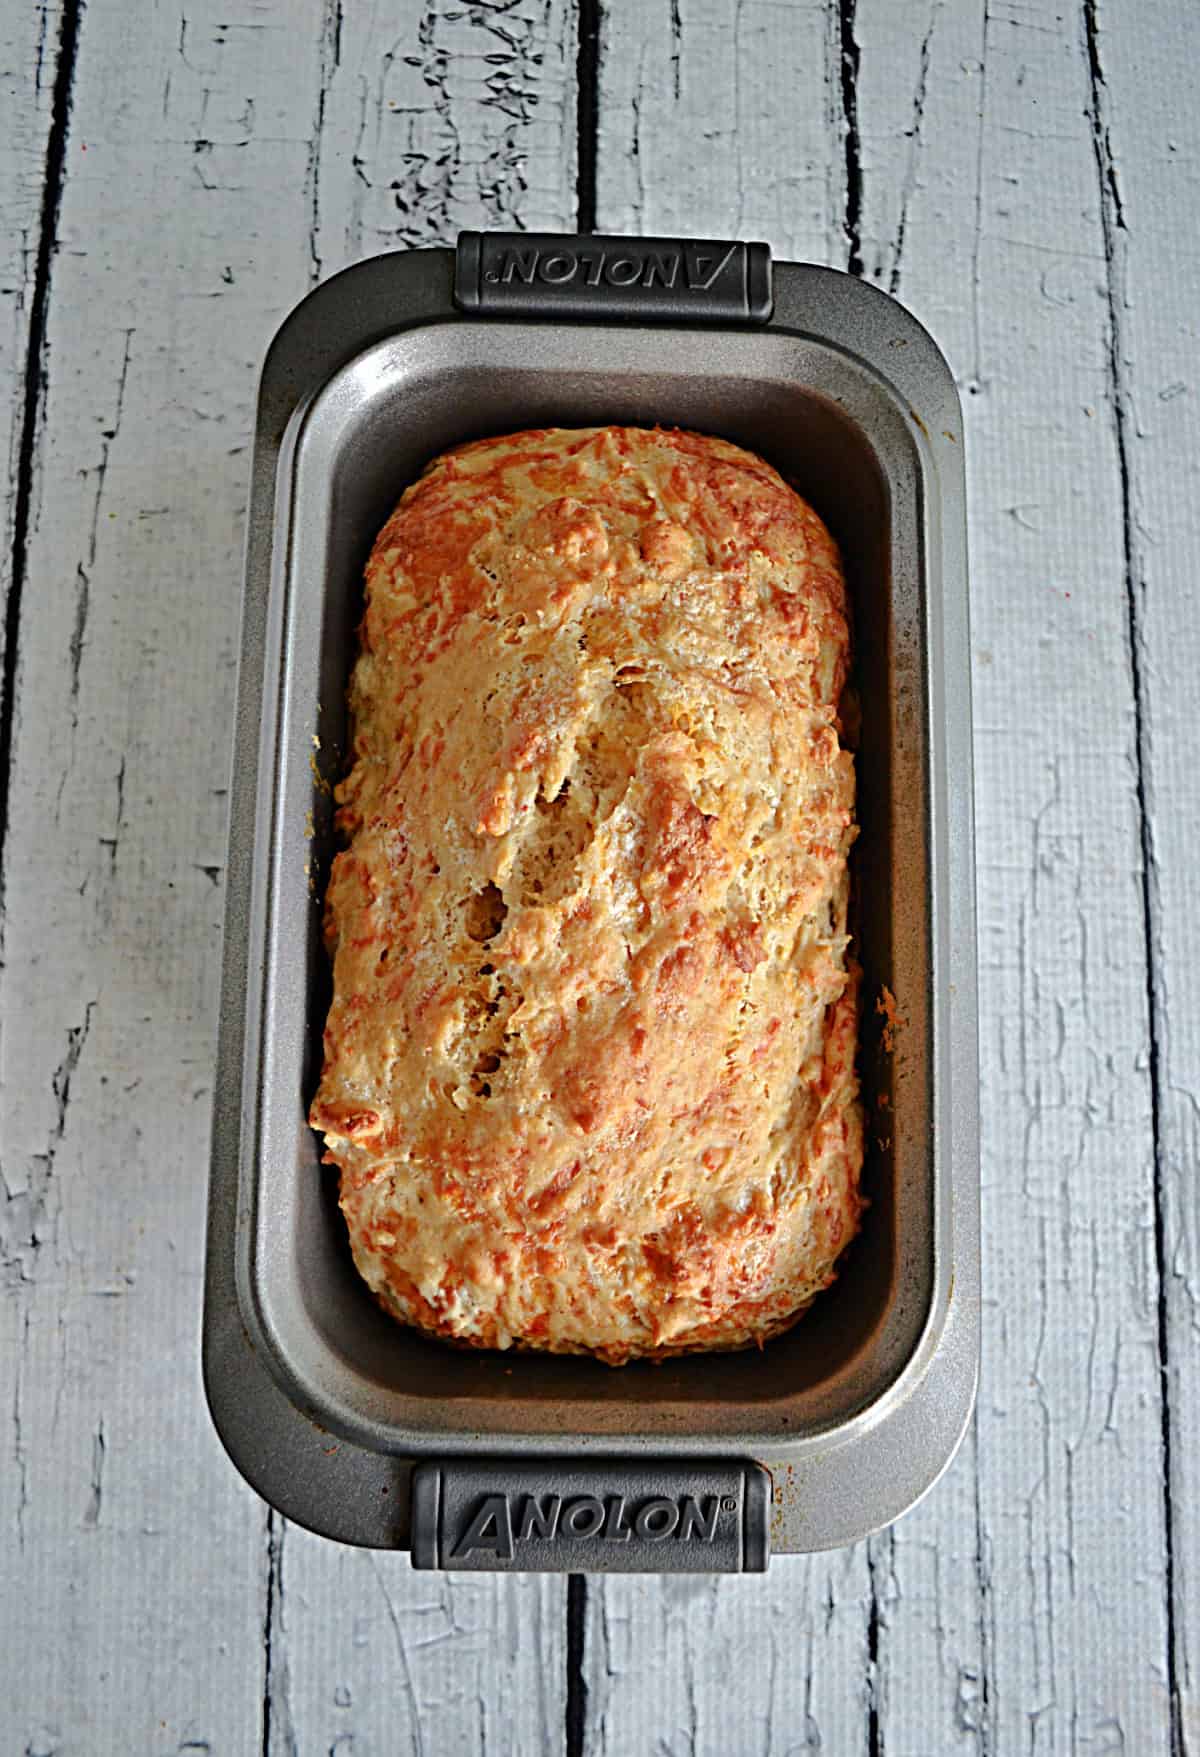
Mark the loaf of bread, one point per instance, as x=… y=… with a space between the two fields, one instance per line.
x=589 y=1066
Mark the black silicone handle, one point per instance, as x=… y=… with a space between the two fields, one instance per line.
x=600 y=1517
x=667 y=280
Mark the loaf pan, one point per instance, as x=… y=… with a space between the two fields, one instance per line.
x=366 y=1431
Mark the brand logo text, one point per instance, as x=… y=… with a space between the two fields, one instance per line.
x=692 y=269
x=500 y=1522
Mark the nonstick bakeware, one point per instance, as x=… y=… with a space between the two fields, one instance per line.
x=366 y=1431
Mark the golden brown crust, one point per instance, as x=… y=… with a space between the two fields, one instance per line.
x=589 y=1066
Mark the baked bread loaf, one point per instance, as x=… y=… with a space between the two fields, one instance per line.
x=589 y=1065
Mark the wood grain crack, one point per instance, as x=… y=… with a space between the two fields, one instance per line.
x=91 y=1513
x=111 y=843
x=18 y=1427
x=975 y=383
x=40 y=62
x=983 y=1587
x=875 y=1623
x=676 y=46
x=24 y=1211
x=278 y=1731
x=83 y=573
x=914 y=148
x=405 y=1666
x=36 y=373
x=330 y=61
x=1114 y=231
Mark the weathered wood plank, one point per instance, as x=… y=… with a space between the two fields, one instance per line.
x=694 y=1664
x=435 y=117
x=159 y=1605
x=29 y=46
x=1035 y=1616
x=1147 y=144
x=729 y=122
x=134 y=1553
x=374 y=1657
x=919 y=117
x=714 y=116
x=422 y=123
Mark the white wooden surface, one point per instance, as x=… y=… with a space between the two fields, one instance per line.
x=1025 y=178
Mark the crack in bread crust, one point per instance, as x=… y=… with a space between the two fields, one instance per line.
x=589 y=1065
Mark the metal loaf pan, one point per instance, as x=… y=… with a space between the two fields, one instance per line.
x=344 y=1420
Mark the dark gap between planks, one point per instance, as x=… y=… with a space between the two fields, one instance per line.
x=576 y=1683
x=34 y=390
x=587 y=102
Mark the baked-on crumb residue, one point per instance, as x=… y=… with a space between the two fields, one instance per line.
x=886 y=1007
x=589 y=1065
